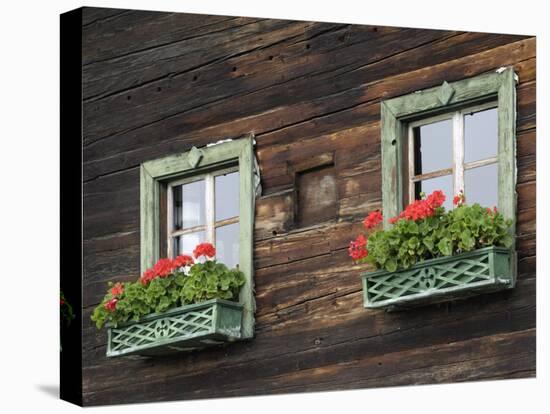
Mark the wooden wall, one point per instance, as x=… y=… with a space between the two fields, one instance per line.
x=159 y=83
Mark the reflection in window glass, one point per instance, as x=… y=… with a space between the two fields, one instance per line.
x=227 y=244
x=186 y=243
x=227 y=196
x=433 y=146
x=481 y=185
x=444 y=183
x=480 y=135
x=189 y=205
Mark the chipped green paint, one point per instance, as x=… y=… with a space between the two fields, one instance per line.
x=445 y=278
x=186 y=328
x=445 y=93
x=236 y=152
x=194 y=157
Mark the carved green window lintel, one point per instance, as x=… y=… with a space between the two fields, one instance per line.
x=238 y=153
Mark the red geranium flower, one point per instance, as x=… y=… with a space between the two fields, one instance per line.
x=147 y=276
x=111 y=305
x=459 y=199
x=182 y=260
x=358 y=248
x=373 y=219
x=204 y=249
x=61 y=302
x=435 y=199
x=420 y=209
x=117 y=289
x=417 y=210
x=163 y=267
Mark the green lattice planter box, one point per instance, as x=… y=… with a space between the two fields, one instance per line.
x=186 y=328
x=444 y=278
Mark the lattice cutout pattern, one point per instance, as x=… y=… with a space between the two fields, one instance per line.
x=180 y=326
x=444 y=276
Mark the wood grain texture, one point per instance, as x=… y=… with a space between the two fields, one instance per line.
x=157 y=84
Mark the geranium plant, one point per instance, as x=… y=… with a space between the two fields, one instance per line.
x=66 y=310
x=425 y=230
x=168 y=284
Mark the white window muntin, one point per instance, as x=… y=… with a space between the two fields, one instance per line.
x=458 y=165
x=210 y=225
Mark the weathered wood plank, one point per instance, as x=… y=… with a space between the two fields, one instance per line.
x=322 y=85
x=474 y=42
x=130 y=33
x=274 y=214
x=142 y=75
x=391 y=86
x=456 y=361
x=95 y=15
x=230 y=76
x=329 y=348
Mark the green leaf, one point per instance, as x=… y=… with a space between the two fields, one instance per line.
x=445 y=246
x=507 y=241
x=429 y=243
x=391 y=265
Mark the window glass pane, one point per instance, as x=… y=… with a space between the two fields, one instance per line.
x=481 y=185
x=480 y=135
x=186 y=243
x=189 y=205
x=444 y=183
x=227 y=244
x=227 y=196
x=433 y=146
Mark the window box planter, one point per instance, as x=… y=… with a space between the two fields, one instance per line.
x=185 y=328
x=435 y=280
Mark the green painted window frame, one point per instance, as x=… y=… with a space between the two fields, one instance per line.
x=238 y=152
x=396 y=113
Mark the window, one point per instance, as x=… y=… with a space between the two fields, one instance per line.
x=457 y=136
x=456 y=151
x=205 y=194
x=205 y=208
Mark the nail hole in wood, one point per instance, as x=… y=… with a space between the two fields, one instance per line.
x=270 y=57
x=274 y=232
x=307 y=46
x=195 y=77
x=128 y=97
x=393 y=142
x=159 y=89
x=234 y=68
